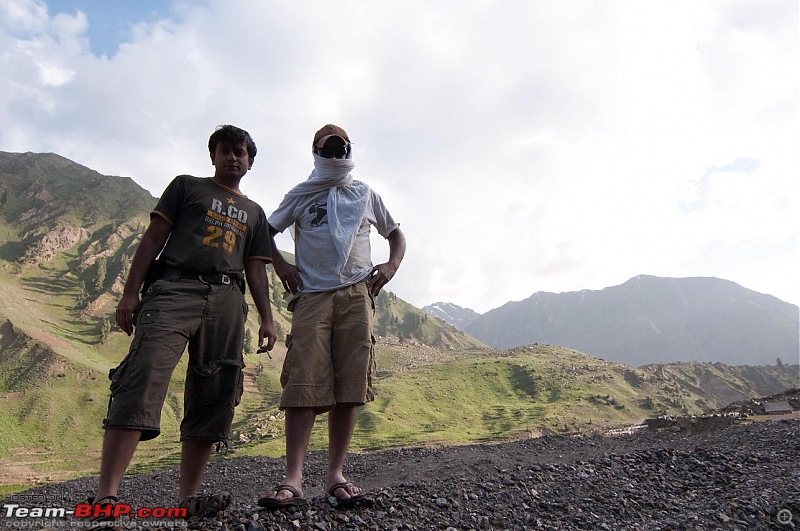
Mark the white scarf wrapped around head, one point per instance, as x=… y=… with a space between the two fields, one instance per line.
x=347 y=200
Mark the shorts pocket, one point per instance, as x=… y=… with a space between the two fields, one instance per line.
x=146 y=317
x=284 y=378
x=115 y=375
x=237 y=398
x=207 y=383
x=373 y=365
x=370 y=394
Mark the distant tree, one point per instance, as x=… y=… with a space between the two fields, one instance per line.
x=555 y=391
x=648 y=403
x=105 y=330
x=100 y=274
x=382 y=327
x=82 y=295
x=382 y=301
x=632 y=378
x=411 y=323
x=276 y=298
x=779 y=363
x=248 y=341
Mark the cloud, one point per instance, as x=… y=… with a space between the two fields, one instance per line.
x=523 y=146
x=21 y=17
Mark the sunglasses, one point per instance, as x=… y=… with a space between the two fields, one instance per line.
x=338 y=152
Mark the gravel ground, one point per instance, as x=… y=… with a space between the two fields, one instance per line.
x=743 y=476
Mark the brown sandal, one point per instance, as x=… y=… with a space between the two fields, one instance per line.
x=205 y=506
x=101 y=519
x=272 y=502
x=352 y=501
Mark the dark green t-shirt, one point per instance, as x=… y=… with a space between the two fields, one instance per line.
x=214 y=229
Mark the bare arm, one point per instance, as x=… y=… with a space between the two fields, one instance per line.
x=289 y=274
x=383 y=273
x=153 y=240
x=256 y=273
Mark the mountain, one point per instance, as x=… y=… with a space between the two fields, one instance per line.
x=452 y=314
x=650 y=319
x=60 y=220
x=67 y=235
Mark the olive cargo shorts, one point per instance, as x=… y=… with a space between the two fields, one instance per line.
x=210 y=318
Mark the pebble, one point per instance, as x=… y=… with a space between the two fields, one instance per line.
x=744 y=476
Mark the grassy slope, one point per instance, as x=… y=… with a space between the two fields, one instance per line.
x=424 y=395
x=434 y=384
x=485 y=397
x=56 y=420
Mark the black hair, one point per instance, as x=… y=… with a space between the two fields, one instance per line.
x=233 y=136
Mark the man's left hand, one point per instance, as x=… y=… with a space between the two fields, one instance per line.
x=267 y=331
x=380 y=276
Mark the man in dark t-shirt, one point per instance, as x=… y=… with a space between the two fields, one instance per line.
x=208 y=235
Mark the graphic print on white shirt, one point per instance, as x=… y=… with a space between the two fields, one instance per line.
x=319 y=212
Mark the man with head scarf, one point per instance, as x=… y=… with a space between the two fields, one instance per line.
x=330 y=358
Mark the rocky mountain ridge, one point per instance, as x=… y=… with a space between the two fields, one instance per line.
x=54 y=210
x=650 y=319
x=453 y=314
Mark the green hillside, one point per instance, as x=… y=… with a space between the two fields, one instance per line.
x=67 y=235
x=488 y=396
x=44 y=186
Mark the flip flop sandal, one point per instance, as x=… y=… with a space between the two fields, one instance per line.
x=353 y=501
x=100 y=521
x=205 y=506
x=271 y=502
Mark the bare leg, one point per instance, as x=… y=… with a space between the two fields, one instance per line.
x=194 y=458
x=299 y=423
x=341 y=423
x=119 y=446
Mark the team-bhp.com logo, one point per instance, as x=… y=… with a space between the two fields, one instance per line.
x=84 y=513
x=118 y=510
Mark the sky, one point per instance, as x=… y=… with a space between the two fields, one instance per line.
x=522 y=145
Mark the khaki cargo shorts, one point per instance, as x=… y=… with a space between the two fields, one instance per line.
x=210 y=318
x=331 y=350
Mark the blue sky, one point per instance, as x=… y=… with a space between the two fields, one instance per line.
x=523 y=145
x=110 y=22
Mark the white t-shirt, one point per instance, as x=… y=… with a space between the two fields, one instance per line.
x=315 y=251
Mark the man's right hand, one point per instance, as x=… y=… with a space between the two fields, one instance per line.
x=127 y=311
x=289 y=275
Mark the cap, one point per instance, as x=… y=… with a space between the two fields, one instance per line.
x=328 y=131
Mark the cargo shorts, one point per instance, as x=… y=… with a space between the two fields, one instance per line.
x=210 y=319
x=331 y=350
